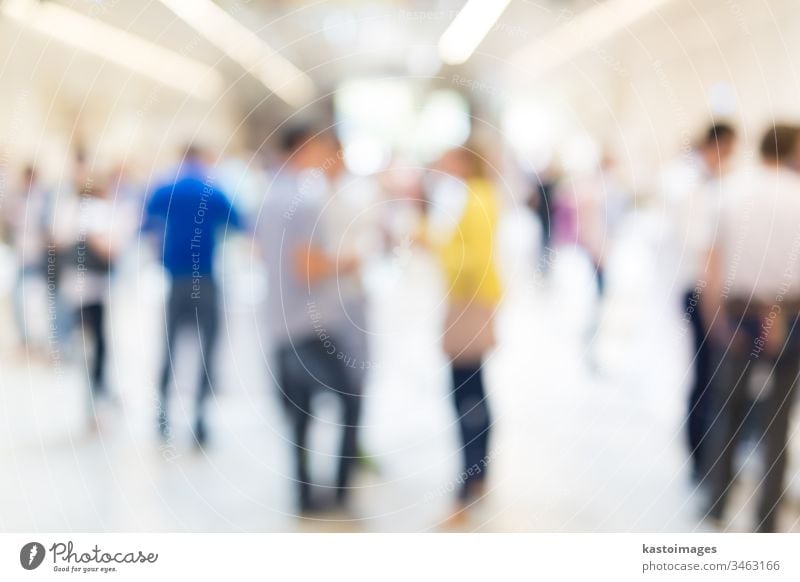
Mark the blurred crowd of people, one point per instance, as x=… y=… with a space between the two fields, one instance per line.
x=733 y=231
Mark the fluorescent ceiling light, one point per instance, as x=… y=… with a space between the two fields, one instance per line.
x=245 y=47
x=117 y=46
x=469 y=28
x=586 y=30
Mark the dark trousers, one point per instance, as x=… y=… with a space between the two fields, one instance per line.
x=600 y=279
x=733 y=409
x=474 y=423
x=92 y=320
x=699 y=405
x=192 y=305
x=304 y=368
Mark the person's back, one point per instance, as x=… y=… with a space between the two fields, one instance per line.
x=191 y=211
x=188 y=215
x=759 y=234
x=468 y=256
x=290 y=220
x=753 y=302
x=689 y=187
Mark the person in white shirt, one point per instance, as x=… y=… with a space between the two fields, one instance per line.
x=27 y=222
x=752 y=304
x=89 y=230
x=690 y=186
x=351 y=220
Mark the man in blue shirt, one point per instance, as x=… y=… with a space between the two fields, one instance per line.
x=189 y=214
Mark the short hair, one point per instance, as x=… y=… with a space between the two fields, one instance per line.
x=473 y=154
x=295 y=137
x=718 y=132
x=779 y=142
x=193 y=152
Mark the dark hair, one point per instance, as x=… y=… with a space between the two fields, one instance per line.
x=295 y=137
x=717 y=133
x=472 y=154
x=192 y=152
x=779 y=142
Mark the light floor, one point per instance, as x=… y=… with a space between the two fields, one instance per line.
x=587 y=437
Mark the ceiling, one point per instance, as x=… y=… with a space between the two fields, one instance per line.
x=617 y=83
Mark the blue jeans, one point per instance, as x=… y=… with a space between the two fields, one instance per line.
x=474 y=424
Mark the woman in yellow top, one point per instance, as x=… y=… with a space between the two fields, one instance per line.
x=473 y=287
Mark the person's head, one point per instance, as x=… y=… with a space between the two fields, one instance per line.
x=333 y=165
x=779 y=146
x=717 y=146
x=464 y=162
x=29 y=176
x=304 y=147
x=195 y=154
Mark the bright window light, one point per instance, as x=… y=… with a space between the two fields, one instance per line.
x=532 y=128
x=443 y=124
x=364 y=156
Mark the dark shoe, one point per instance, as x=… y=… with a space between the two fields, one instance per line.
x=714 y=516
x=342 y=497
x=313 y=508
x=200 y=436
x=766 y=526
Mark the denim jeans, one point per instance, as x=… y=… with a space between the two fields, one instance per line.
x=474 y=423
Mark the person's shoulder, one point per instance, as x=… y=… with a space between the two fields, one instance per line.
x=791 y=179
x=680 y=176
x=481 y=187
x=739 y=188
x=163 y=188
x=745 y=177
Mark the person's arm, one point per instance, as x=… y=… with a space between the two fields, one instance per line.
x=313 y=265
x=63 y=233
x=232 y=217
x=155 y=212
x=711 y=304
x=712 y=301
x=110 y=237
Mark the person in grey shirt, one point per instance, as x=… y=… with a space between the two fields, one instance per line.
x=304 y=312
